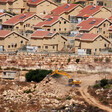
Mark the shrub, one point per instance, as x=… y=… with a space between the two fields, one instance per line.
x=103 y=82
x=95 y=59
x=107 y=86
x=68 y=98
x=100 y=59
x=28 y=91
x=96 y=86
x=77 y=60
x=37 y=75
x=107 y=60
x=69 y=60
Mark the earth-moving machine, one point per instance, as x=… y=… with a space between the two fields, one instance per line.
x=70 y=81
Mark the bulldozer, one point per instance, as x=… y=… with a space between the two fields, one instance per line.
x=70 y=81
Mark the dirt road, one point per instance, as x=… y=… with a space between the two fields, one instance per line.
x=90 y=80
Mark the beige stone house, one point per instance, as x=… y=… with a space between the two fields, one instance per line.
x=93 y=11
x=91 y=43
x=22 y=23
x=48 y=41
x=11 y=41
x=41 y=7
x=67 y=11
x=95 y=25
x=54 y=23
x=4 y=17
x=14 y=6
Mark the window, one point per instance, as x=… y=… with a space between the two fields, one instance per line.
x=60 y=22
x=39 y=47
x=105 y=45
x=15 y=45
x=21 y=41
x=8 y=46
x=48 y=29
x=12 y=45
x=65 y=29
x=100 y=29
x=53 y=47
x=104 y=25
x=105 y=4
x=64 y=22
x=46 y=47
x=59 y=29
x=17 y=28
x=103 y=32
x=99 y=49
x=54 y=29
x=95 y=49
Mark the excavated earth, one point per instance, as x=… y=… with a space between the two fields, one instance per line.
x=52 y=96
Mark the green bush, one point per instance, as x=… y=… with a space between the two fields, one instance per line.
x=107 y=86
x=103 y=82
x=107 y=60
x=69 y=60
x=77 y=60
x=68 y=98
x=100 y=59
x=37 y=75
x=96 y=86
x=95 y=59
x=28 y=91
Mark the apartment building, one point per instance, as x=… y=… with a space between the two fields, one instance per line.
x=91 y=43
x=11 y=41
x=54 y=23
x=22 y=23
x=48 y=41
x=95 y=25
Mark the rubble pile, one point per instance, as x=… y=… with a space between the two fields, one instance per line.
x=52 y=95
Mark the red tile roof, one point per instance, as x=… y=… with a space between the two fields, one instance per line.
x=48 y=22
x=4 y=33
x=90 y=23
x=7 y=0
x=110 y=28
x=86 y=36
x=64 y=8
x=36 y=2
x=42 y=34
x=18 y=18
x=89 y=10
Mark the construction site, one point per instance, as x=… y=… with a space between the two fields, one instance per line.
x=66 y=89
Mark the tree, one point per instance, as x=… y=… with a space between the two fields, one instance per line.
x=37 y=75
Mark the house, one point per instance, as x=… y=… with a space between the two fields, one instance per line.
x=106 y=3
x=54 y=23
x=13 y=6
x=93 y=11
x=22 y=23
x=41 y=7
x=11 y=41
x=68 y=11
x=48 y=41
x=95 y=25
x=9 y=75
x=4 y=17
x=91 y=43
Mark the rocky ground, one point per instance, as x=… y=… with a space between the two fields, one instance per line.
x=52 y=96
